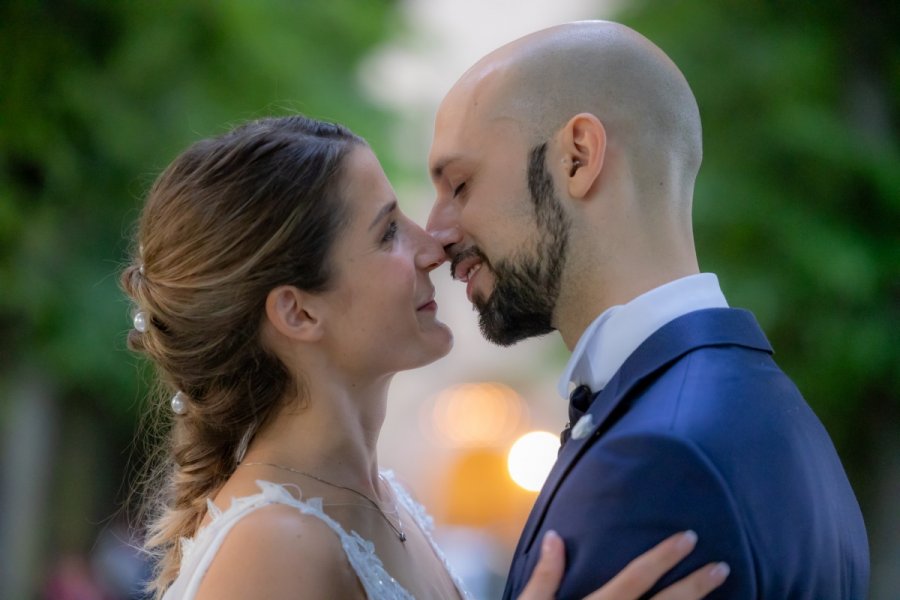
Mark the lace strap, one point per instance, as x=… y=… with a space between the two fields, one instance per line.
x=212 y=509
x=425 y=523
x=375 y=579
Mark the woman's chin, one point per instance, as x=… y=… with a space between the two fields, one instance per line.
x=448 y=343
x=439 y=344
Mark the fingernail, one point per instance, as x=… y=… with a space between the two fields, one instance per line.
x=547 y=541
x=687 y=540
x=720 y=572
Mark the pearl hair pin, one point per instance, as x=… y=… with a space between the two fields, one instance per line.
x=140 y=322
x=179 y=403
x=141 y=255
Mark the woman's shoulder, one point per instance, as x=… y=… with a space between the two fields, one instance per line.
x=276 y=551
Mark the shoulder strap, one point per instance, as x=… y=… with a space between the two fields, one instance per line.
x=198 y=553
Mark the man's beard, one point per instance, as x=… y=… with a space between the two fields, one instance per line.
x=527 y=285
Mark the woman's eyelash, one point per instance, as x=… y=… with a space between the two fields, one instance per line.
x=390 y=233
x=459 y=189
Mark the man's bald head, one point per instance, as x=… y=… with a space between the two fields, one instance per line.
x=597 y=67
x=567 y=159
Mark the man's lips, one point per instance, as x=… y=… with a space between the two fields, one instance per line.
x=470 y=282
x=467 y=268
x=465 y=264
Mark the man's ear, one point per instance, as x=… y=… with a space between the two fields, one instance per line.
x=293 y=313
x=583 y=148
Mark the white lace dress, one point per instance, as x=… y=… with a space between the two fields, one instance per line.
x=199 y=551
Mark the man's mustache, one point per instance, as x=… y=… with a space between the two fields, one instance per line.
x=470 y=252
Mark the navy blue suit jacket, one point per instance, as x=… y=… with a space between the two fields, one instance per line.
x=701 y=430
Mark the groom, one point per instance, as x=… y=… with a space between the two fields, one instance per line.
x=564 y=165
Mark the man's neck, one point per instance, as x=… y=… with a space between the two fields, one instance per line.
x=580 y=303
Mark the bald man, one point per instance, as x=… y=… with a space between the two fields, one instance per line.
x=564 y=165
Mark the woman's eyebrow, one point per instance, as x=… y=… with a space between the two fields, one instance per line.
x=385 y=210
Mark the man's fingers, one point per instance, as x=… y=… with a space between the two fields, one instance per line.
x=549 y=569
x=696 y=585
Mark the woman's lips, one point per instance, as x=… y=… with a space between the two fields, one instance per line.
x=430 y=306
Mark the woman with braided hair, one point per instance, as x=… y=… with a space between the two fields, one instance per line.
x=277 y=288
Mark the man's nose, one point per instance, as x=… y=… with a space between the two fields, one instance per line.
x=443 y=223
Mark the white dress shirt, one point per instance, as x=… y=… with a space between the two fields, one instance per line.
x=611 y=338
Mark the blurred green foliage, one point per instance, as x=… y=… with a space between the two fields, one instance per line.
x=797 y=205
x=95 y=99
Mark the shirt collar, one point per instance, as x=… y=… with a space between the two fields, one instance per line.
x=611 y=338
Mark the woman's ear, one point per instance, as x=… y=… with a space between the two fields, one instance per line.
x=293 y=314
x=583 y=148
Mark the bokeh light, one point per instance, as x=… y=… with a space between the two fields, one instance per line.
x=531 y=458
x=480 y=414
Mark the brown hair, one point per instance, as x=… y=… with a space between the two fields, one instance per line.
x=230 y=219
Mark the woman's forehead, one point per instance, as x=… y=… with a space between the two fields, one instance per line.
x=366 y=188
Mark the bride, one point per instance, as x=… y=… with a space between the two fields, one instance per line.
x=277 y=289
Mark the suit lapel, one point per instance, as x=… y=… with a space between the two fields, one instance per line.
x=711 y=327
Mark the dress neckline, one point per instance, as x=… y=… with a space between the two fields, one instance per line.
x=360 y=551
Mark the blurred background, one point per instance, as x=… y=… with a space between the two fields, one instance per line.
x=797 y=209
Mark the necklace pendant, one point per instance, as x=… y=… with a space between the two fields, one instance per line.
x=402 y=537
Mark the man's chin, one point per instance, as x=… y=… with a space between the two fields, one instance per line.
x=491 y=322
x=506 y=330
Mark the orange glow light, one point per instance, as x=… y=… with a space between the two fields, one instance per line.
x=477 y=414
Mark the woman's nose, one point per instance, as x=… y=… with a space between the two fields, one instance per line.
x=430 y=254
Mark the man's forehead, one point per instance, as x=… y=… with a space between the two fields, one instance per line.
x=449 y=142
x=467 y=122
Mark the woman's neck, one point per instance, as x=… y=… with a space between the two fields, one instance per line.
x=331 y=433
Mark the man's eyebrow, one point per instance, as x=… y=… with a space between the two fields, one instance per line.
x=385 y=210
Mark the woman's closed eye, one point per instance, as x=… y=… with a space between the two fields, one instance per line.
x=458 y=189
x=391 y=232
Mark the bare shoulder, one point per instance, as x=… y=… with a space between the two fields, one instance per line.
x=277 y=552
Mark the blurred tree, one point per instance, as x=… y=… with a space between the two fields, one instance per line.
x=797 y=206
x=95 y=99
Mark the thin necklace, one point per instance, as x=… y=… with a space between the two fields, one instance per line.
x=398 y=529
